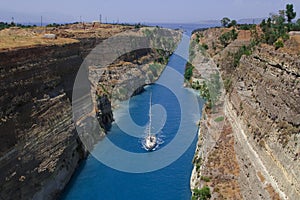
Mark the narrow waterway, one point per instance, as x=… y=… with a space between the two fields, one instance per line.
x=94 y=180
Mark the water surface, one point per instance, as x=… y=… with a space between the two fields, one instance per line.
x=94 y=180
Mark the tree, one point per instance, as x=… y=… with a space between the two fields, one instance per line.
x=290 y=14
x=281 y=13
x=263 y=25
x=269 y=22
x=232 y=23
x=225 y=21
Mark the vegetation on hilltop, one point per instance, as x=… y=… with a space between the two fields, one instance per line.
x=4 y=25
x=275 y=28
x=273 y=31
x=227 y=23
x=228 y=37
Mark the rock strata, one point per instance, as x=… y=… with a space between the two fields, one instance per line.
x=262 y=108
x=40 y=148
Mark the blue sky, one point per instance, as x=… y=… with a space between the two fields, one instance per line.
x=139 y=10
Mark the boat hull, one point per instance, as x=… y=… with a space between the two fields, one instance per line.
x=150 y=142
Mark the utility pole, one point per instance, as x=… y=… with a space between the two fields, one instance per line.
x=100 y=18
x=41 y=20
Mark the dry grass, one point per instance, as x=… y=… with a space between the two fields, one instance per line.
x=222 y=167
x=244 y=35
x=295 y=43
x=297 y=39
x=90 y=30
x=18 y=38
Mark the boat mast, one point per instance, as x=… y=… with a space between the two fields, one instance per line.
x=150 y=115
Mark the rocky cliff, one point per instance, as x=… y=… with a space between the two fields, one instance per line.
x=140 y=59
x=40 y=148
x=261 y=108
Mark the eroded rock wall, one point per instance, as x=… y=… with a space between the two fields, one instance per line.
x=262 y=106
x=39 y=145
x=265 y=97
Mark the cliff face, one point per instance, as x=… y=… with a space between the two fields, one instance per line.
x=265 y=98
x=38 y=139
x=262 y=109
x=40 y=148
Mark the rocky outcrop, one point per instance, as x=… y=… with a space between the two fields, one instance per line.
x=127 y=76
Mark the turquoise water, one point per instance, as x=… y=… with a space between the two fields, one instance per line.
x=94 y=180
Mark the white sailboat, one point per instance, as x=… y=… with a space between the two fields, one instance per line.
x=150 y=139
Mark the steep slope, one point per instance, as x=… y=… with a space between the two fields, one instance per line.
x=40 y=148
x=262 y=106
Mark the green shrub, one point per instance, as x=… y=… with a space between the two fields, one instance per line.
x=246 y=26
x=53 y=25
x=197 y=38
x=244 y=50
x=205 y=46
x=228 y=37
x=196 y=85
x=205 y=178
x=138 y=25
x=188 y=71
x=198 y=166
x=278 y=44
x=4 y=25
x=202 y=194
x=219 y=119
